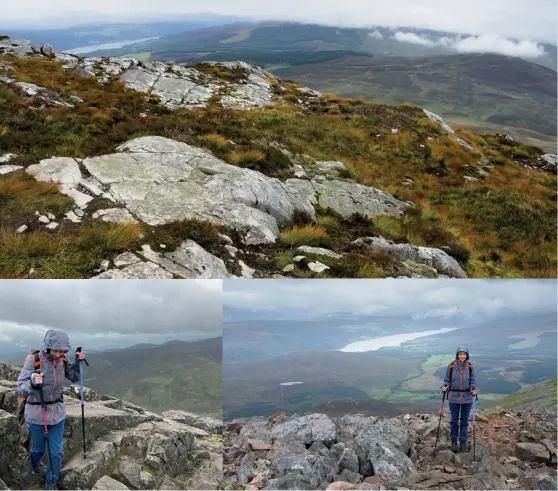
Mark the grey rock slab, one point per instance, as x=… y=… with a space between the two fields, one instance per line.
x=107 y=483
x=317 y=267
x=347 y=198
x=433 y=257
x=60 y=170
x=125 y=259
x=438 y=119
x=80 y=473
x=139 y=271
x=203 y=422
x=198 y=262
x=115 y=215
x=6 y=169
x=331 y=165
x=307 y=429
x=247 y=271
x=161 y=180
x=320 y=251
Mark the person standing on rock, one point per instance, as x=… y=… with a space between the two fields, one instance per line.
x=54 y=368
x=461 y=385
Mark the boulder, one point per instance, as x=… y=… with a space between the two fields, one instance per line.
x=532 y=452
x=435 y=258
x=307 y=429
x=165 y=446
x=208 y=424
x=107 y=483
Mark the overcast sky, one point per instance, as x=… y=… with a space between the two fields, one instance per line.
x=108 y=314
x=422 y=298
x=524 y=19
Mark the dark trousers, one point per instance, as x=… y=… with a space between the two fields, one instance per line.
x=55 y=436
x=459 y=420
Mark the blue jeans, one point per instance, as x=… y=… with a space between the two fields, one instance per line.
x=459 y=427
x=55 y=436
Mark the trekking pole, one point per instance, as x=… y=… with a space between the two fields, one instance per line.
x=474 y=428
x=440 y=420
x=47 y=440
x=82 y=402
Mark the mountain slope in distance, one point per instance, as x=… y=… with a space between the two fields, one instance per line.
x=471 y=89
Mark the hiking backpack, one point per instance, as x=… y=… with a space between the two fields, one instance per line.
x=452 y=365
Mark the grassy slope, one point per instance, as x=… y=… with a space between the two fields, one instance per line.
x=505 y=222
x=471 y=88
x=542 y=395
x=175 y=375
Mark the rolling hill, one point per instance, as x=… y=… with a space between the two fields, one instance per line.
x=175 y=375
x=468 y=89
x=273 y=37
x=480 y=91
x=109 y=32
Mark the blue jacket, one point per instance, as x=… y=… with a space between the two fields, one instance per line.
x=53 y=378
x=462 y=381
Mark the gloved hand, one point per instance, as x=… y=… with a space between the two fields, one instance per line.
x=473 y=392
x=37 y=379
x=80 y=355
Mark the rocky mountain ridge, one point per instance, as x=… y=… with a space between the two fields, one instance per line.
x=157 y=181
x=128 y=447
x=514 y=450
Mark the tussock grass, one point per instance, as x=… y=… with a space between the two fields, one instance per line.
x=71 y=251
x=311 y=235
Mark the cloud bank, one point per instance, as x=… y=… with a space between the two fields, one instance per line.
x=486 y=43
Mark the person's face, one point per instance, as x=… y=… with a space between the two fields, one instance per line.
x=462 y=356
x=56 y=353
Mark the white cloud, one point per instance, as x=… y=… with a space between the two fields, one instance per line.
x=494 y=44
x=485 y=43
x=445 y=313
x=411 y=37
x=425 y=298
x=508 y=18
x=115 y=313
x=376 y=35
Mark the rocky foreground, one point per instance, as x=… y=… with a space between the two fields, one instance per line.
x=513 y=451
x=128 y=447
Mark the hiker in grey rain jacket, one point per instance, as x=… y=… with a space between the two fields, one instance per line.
x=54 y=372
x=461 y=385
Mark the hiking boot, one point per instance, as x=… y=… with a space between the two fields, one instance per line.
x=454 y=447
x=39 y=470
x=463 y=447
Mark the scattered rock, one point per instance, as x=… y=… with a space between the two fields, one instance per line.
x=21 y=229
x=320 y=251
x=4 y=159
x=115 y=215
x=247 y=271
x=317 y=267
x=44 y=219
x=6 y=169
x=52 y=226
x=108 y=483
x=532 y=452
